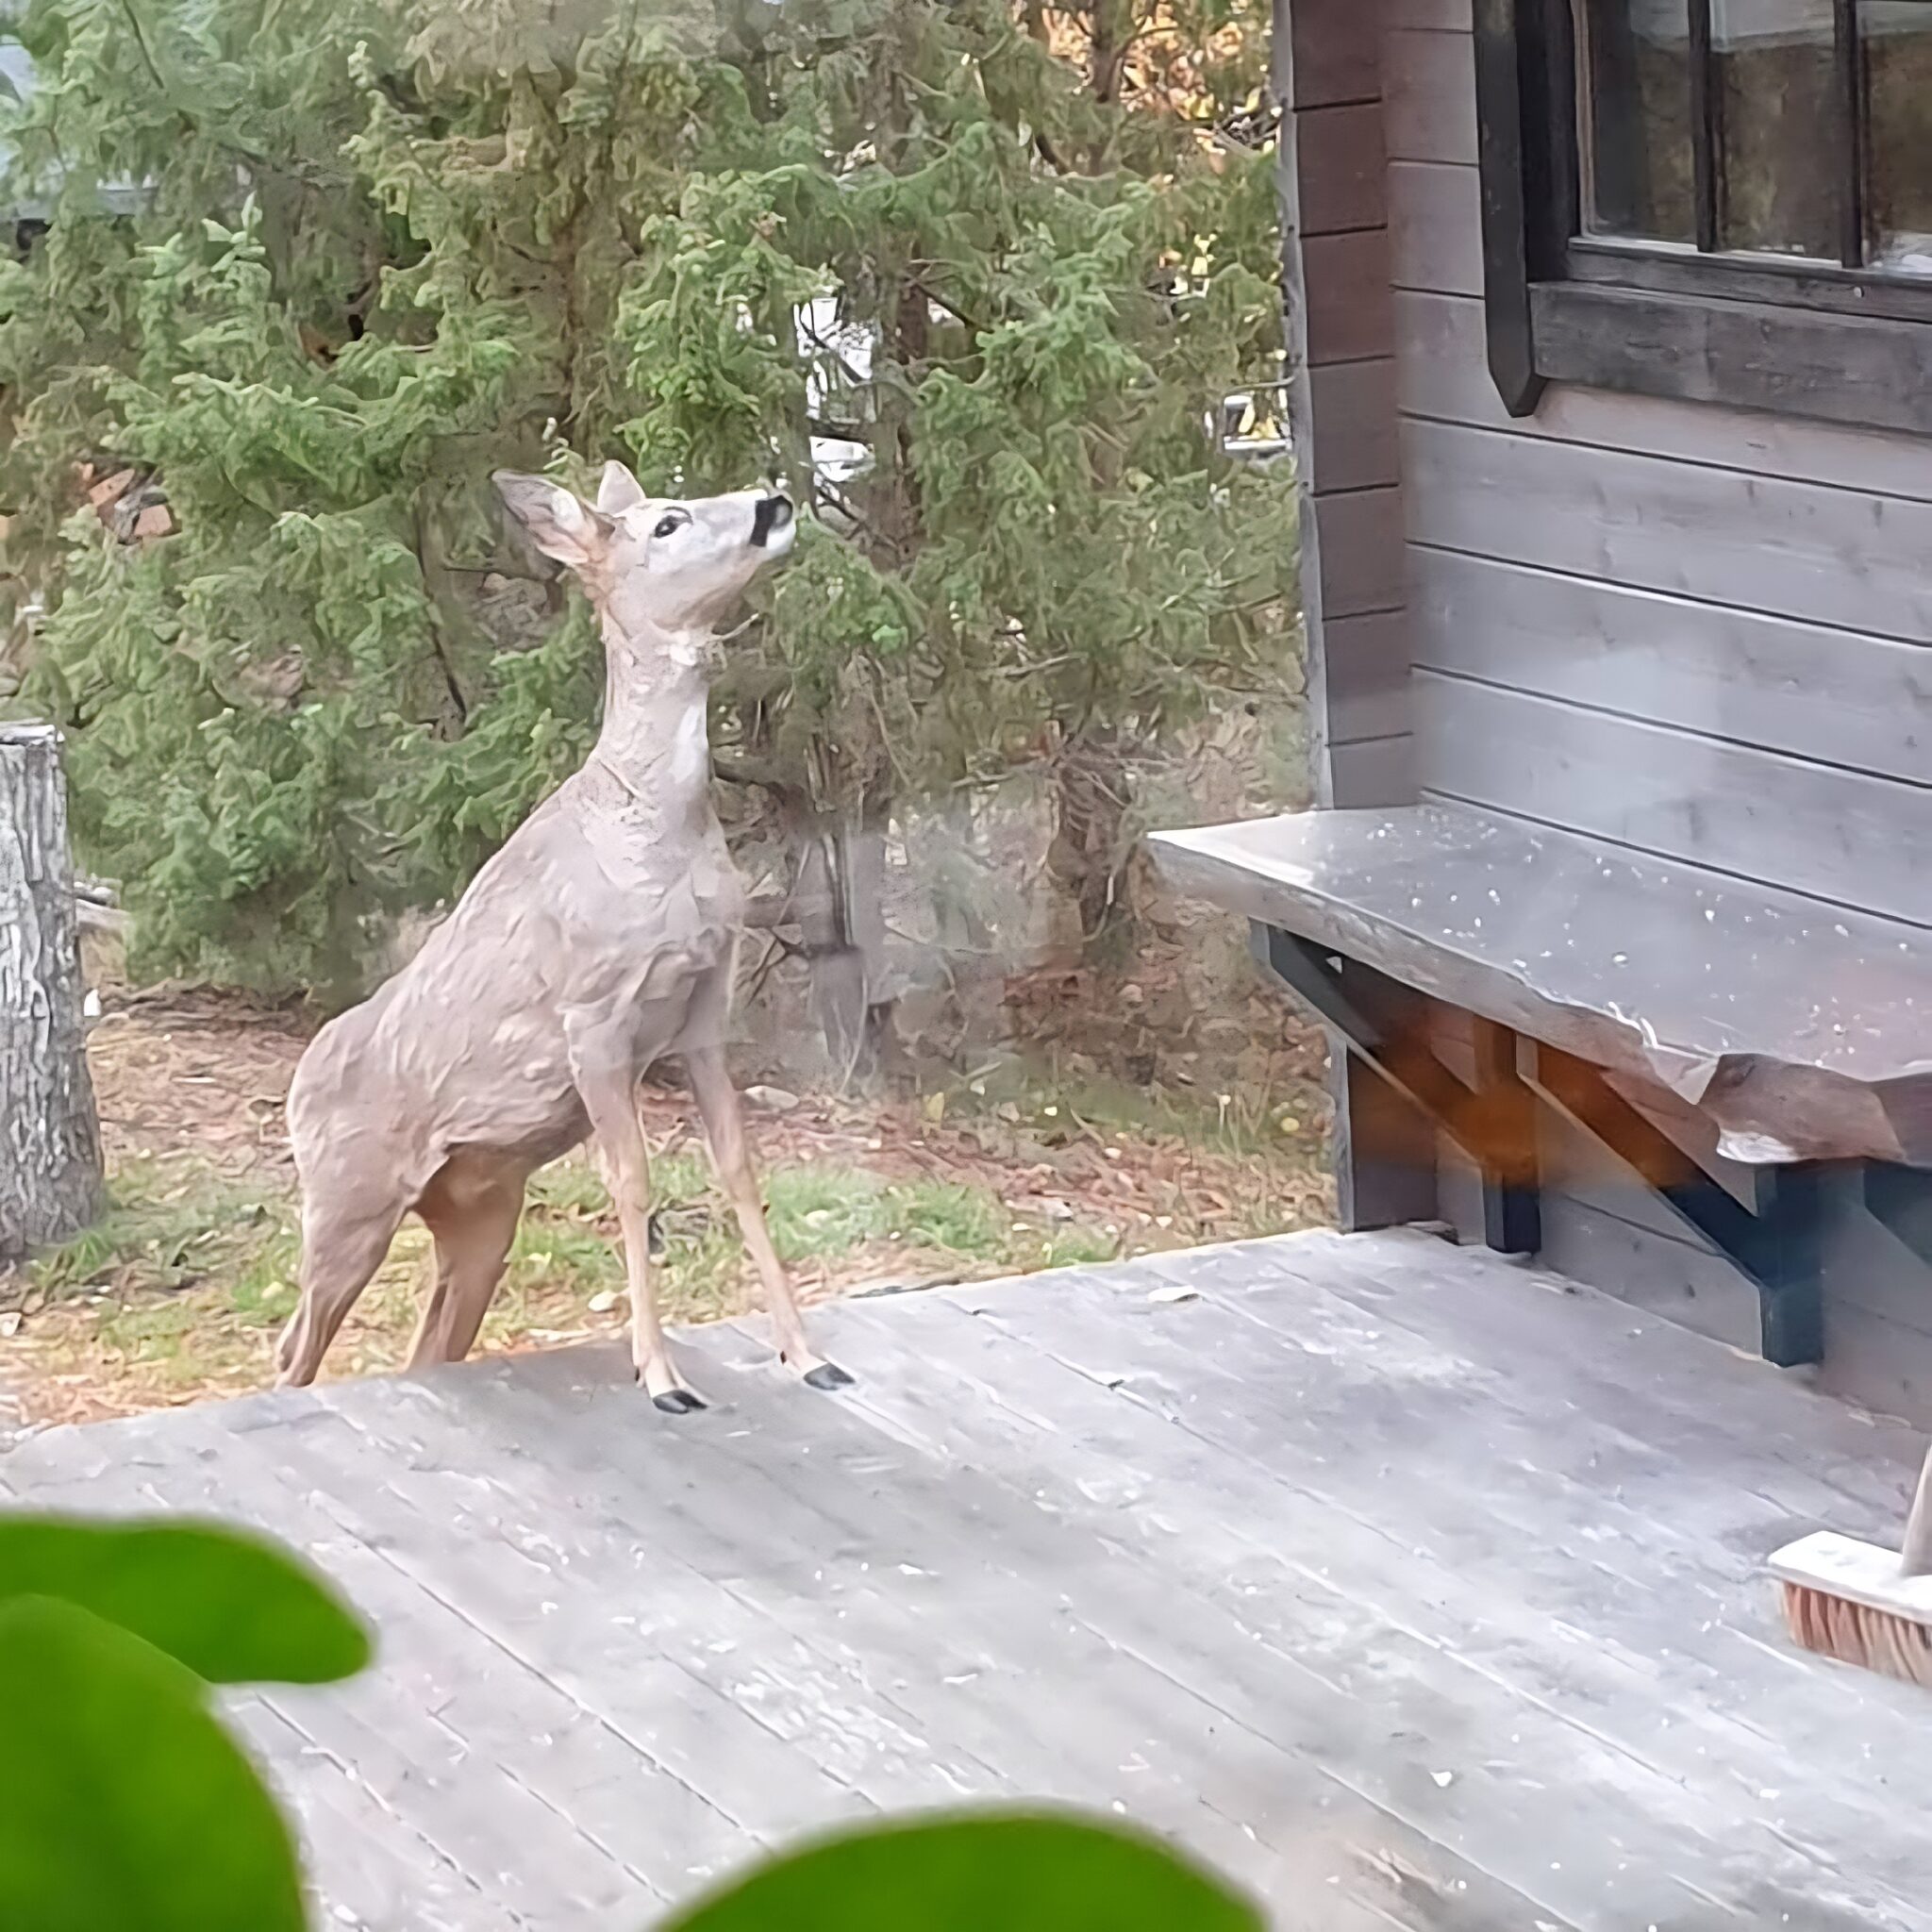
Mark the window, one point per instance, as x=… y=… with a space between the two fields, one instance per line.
x=1722 y=200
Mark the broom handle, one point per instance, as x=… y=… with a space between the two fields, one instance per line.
x=1915 y=1553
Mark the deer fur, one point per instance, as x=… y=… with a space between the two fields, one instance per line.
x=601 y=939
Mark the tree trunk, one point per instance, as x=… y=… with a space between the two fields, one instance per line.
x=50 y=1142
x=1090 y=845
x=838 y=901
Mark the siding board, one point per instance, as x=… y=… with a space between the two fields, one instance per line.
x=1692 y=1286
x=1875 y=1363
x=1334 y=55
x=1359 y=537
x=1338 y=153
x=1446 y=377
x=1435 y=227
x=1825 y=556
x=1373 y=771
x=1731 y=674
x=1453 y=15
x=1350 y=313
x=1429 y=89
x=1367 y=675
x=1839 y=836
x=1353 y=438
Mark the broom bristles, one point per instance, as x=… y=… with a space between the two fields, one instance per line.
x=1854 y=1633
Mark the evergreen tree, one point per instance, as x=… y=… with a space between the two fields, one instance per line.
x=969 y=276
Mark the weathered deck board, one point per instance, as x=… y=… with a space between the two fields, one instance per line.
x=1410 y=1589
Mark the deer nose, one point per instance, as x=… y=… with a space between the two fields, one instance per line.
x=772 y=513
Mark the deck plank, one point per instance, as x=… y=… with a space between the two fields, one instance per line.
x=1555 y=1701
x=1410 y=1589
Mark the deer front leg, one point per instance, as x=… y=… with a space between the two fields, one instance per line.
x=608 y=1092
x=724 y=1118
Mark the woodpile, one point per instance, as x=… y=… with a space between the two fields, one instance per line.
x=129 y=504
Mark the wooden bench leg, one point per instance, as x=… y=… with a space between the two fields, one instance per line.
x=1784 y=1254
x=1512 y=1190
x=1776 y=1240
x=1385 y=1025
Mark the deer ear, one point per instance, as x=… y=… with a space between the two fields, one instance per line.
x=560 y=526
x=618 y=491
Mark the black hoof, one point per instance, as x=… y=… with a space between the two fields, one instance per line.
x=678 y=1402
x=827 y=1376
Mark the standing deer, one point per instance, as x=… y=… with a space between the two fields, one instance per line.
x=601 y=939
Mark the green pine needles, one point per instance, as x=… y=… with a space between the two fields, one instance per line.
x=970 y=274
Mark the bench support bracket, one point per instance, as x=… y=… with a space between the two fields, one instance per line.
x=1385 y=1025
x=1774 y=1240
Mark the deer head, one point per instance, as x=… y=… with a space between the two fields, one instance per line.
x=672 y=565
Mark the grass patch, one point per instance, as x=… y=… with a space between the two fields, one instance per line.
x=169 y=1226
x=1242 y=1125
x=179 y=1291
x=822 y=1217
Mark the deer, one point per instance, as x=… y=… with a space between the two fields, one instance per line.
x=600 y=939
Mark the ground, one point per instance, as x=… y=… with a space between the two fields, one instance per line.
x=1077 y=1152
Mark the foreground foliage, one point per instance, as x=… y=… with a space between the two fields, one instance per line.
x=972 y=277
x=126 y=1803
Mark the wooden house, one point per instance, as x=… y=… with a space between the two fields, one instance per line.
x=1612 y=323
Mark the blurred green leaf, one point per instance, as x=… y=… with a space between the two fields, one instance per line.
x=988 y=1873
x=124 y=1805
x=232 y=1608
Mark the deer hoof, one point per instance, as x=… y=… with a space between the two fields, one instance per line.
x=827 y=1376
x=678 y=1402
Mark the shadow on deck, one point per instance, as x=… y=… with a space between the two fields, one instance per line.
x=1399 y=1582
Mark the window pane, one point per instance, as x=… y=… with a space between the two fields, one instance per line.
x=1634 y=118
x=1898 y=133
x=1779 y=120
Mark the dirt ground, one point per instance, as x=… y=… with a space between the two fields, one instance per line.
x=1140 y=1121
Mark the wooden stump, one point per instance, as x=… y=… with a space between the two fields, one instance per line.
x=50 y=1141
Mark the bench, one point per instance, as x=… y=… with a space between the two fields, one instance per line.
x=1797 y=1039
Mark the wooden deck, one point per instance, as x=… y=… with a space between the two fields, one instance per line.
x=1397 y=1581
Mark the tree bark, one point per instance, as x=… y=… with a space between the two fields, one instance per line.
x=50 y=1142
x=1090 y=847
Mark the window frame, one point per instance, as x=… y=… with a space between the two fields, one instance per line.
x=1791 y=335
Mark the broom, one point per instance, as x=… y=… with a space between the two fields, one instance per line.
x=1860 y=1604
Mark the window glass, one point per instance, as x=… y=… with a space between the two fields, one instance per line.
x=1774 y=91
x=1634 y=119
x=1897 y=60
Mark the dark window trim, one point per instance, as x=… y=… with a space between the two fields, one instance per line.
x=1798 y=338
x=1785 y=283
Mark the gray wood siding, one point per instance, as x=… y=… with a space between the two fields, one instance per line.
x=1840 y=836
x=1445 y=379
x=1734 y=676
x=1335 y=185
x=1844 y=558
x=1330 y=57
x=1702 y=632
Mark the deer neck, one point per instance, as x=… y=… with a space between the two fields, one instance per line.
x=655 y=740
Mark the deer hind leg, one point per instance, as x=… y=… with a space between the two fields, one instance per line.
x=342 y=1248
x=723 y=1117
x=472 y=1211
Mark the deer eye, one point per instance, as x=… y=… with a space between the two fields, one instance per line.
x=667 y=526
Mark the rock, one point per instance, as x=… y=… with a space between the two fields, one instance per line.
x=771 y=1099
